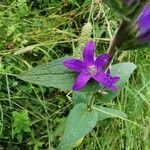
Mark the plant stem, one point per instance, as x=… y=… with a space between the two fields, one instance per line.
x=117 y=40
x=91 y=102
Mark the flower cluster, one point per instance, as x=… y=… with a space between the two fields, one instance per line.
x=90 y=68
x=143 y=23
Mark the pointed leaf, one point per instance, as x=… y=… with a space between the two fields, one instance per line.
x=80 y=122
x=52 y=74
x=104 y=113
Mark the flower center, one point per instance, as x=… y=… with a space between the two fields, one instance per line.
x=92 y=70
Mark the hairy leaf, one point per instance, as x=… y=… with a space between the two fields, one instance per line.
x=80 y=122
x=104 y=113
x=52 y=74
x=81 y=97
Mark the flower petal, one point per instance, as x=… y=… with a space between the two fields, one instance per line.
x=106 y=81
x=74 y=64
x=115 y=79
x=81 y=81
x=108 y=72
x=88 y=52
x=144 y=19
x=102 y=60
x=101 y=76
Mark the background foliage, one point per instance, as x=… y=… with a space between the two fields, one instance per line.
x=33 y=117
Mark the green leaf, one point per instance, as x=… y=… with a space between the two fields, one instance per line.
x=21 y=124
x=19 y=137
x=80 y=97
x=60 y=128
x=124 y=71
x=52 y=74
x=104 y=113
x=21 y=121
x=37 y=144
x=80 y=122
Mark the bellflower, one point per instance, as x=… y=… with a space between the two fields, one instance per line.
x=143 y=23
x=90 y=68
x=111 y=80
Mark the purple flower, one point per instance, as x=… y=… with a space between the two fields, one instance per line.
x=88 y=68
x=143 y=23
x=111 y=80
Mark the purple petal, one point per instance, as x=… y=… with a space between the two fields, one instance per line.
x=108 y=72
x=74 y=64
x=88 y=52
x=143 y=20
x=110 y=84
x=115 y=79
x=102 y=60
x=101 y=77
x=81 y=81
x=107 y=81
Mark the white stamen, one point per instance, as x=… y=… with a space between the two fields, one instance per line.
x=92 y=70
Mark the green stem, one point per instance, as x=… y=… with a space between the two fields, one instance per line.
x=117 y=40
x=91 y=102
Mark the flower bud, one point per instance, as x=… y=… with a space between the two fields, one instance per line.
x=143 y=23
x=138 y=34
